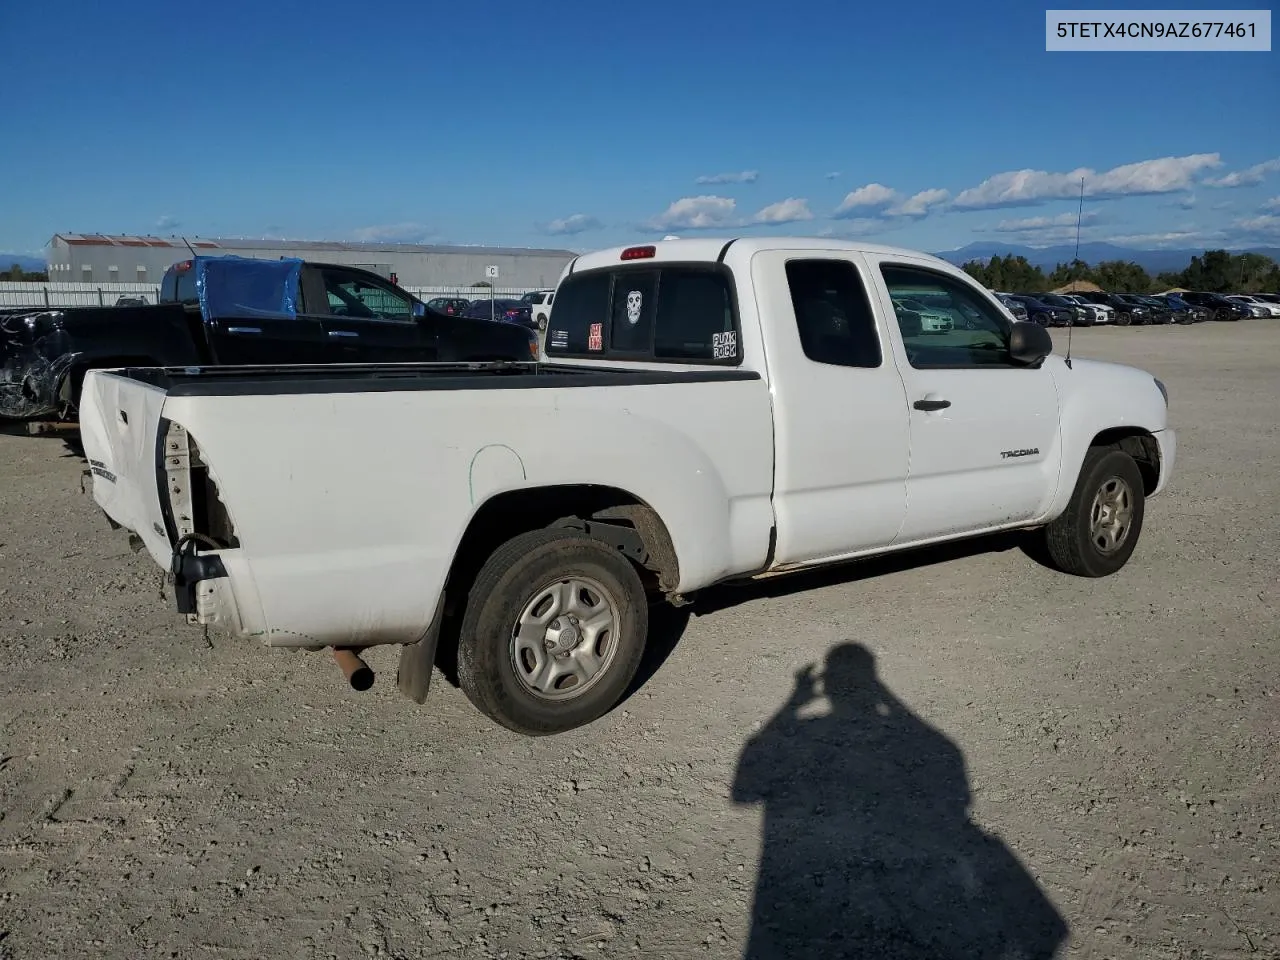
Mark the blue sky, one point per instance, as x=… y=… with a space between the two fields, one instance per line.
x=580 y=125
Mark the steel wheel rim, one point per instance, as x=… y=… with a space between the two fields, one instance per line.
x=1111 y=517
x=565 y=638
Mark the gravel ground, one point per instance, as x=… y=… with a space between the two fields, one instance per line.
x=989 y=753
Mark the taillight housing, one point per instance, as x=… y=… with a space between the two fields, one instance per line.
x=639 y=253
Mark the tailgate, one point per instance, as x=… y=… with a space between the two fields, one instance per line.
x=120 y=429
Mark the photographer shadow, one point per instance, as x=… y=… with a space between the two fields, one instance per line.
x=868 y=849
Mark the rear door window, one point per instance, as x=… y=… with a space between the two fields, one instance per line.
x=833 y=313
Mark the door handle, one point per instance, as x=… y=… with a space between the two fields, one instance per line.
x=931 y=404
x=244 y=329
x=343 y=333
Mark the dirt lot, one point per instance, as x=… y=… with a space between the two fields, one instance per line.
x=997 y=753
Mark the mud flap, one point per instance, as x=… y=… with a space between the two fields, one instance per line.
x=417 y=660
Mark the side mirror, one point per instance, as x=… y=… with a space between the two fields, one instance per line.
x=419 y=310
x=1029 y=343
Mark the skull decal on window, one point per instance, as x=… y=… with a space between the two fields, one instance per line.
x=634 y=303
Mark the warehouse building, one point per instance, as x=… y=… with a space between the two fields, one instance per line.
x=96 y=258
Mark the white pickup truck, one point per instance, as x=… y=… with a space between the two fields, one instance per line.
x=704 y=411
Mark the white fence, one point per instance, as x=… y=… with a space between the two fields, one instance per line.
x=62 y=294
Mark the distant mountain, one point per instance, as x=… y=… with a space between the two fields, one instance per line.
x=1153 y=261
x=25 y=262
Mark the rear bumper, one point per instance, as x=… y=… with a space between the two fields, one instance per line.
x=205 y=588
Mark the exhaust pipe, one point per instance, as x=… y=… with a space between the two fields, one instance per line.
x=357 y=672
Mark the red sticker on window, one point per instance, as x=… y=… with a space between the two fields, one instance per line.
x=595 y=337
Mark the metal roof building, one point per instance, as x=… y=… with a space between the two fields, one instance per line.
x=97 y=258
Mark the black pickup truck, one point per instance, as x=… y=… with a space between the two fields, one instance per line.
x=216 y=311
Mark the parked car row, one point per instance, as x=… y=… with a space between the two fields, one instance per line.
x=1090 y=308
x=531 y=310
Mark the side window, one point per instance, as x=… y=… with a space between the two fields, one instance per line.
x=833 y=314
x=695 y=317
x=944 y=321
x=635 y=296
x=186 y=287
x=353 y=296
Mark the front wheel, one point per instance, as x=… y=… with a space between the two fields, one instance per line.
x=1097 y=533
x=553 y=634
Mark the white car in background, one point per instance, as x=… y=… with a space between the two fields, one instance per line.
x=1101 y=312
x=539 y=302
x=931 y=320
x=1259 y=308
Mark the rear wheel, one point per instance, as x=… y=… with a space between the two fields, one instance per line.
x=553 y=634
x=1097 y=533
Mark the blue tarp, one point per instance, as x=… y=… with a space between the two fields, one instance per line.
x=245 y=287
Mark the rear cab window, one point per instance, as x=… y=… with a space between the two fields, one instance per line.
x=179 y=284
x=666 y=313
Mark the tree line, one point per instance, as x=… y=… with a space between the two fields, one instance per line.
x=1216 y=271
x=16 y=272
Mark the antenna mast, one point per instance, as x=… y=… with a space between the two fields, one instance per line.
x=1075 y=259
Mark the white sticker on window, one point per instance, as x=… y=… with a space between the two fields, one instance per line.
x=724 y=346
x=634 y=302
x=560 y=339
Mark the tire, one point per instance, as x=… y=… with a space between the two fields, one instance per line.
x=1073 y=541
x=542 y=322
x=499 y=663
x=1124 y=319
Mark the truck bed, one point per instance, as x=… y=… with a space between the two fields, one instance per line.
x=269 y=380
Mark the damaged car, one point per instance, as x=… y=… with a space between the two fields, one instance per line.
x=220 y=311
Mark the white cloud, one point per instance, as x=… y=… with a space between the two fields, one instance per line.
x=1042 y=223
x=1249 y=176
x=834 y=175
x=696 y=213
x=1029 y=187
x=1187 y=203
x=888 y=203
x=745 y=176
x=858 y=227
x=1267 y=225
x=407 y=232
x=1171 y=238
x=576 y=223
x=872 y=195
x=919 y=204
x=1272 y=204
x=790 y=210
x=168 y=222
